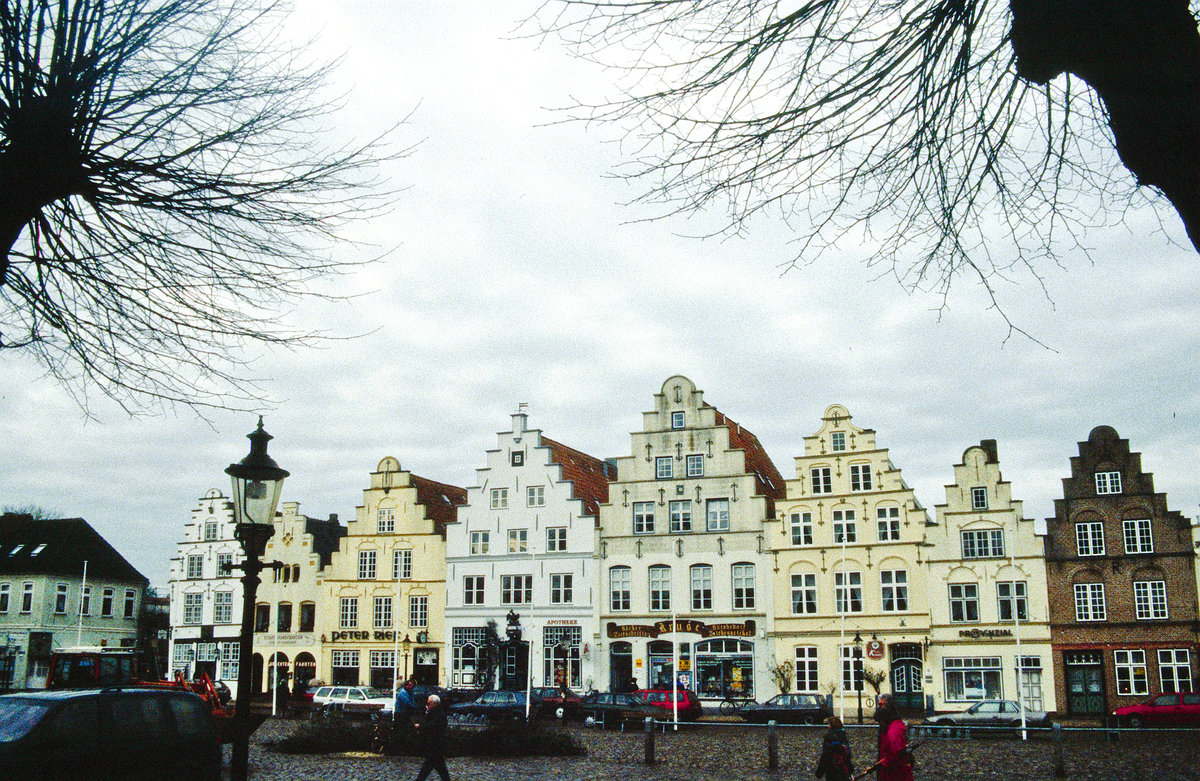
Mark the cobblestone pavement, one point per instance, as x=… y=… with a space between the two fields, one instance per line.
x=698 y=753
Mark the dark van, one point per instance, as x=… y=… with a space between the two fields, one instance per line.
x=108 y=734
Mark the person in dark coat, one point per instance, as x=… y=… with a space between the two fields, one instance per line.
x=282 y=695
x=835 y=763
x=433 y=730
x=895 y=763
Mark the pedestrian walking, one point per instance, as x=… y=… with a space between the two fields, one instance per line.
x=835 y=763
x=432 y=729
x=895 y=761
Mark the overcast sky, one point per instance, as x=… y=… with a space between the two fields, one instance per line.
x=519 y=276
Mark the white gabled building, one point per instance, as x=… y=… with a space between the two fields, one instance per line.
x=684 y=536
x=523 y=551
x=206 y=598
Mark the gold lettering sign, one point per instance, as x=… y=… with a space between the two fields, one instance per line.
x=679 y=626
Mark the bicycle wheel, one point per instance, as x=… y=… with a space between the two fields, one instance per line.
x=727 y=707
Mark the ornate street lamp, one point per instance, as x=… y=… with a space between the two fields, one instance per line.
x=257 y=482
x=407 y=643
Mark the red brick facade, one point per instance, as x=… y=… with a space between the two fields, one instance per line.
x=1121 y=581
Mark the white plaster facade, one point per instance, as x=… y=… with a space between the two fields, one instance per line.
x=683 y=537
x=525 y=542
x=206 y=602
x=986 y=568
x=846 y=549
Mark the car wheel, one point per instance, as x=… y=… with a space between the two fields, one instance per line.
x=1135 y=721
x=589 y=721
x=560 y=712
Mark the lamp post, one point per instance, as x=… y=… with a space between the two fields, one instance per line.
x=858 y=671
x=407 y=644
x=257 y=482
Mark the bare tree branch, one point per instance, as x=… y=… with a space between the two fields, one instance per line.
x=165 y=193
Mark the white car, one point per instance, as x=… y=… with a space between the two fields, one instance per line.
x=990 y=713
x=349 y=700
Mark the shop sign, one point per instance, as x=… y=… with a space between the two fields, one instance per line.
x=975 y=634
x=361 y=635
x=874 y=649
x=562 y=622
x=617 y=631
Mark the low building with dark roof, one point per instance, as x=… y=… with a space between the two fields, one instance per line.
x=61 y=585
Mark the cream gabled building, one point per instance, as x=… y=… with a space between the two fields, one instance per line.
x=386 y=583
x=524 y=544
x=292 y=597
x=847 y=562
x=683 y=536
x=987 y=577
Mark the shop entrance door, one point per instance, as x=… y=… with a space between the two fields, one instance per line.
x=620 y=666
x=1085 y=683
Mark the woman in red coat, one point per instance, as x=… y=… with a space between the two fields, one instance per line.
x=895 y=763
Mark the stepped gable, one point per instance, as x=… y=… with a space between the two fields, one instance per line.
x=59 y=546
x=588 y=475
x=767 y=478
x=441 y=500
x=326 y=536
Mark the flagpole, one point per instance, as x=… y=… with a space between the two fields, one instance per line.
x=675 y=663
x=82 y=589
x=1012 y=552
x=842 y=647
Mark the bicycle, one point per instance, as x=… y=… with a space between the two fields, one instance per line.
x=731 y=705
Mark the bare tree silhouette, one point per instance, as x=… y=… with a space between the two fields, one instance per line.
x=165 y=193
x=938 y=128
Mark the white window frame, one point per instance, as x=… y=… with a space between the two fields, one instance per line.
x=893 y=590
x=664 y=467
x=402 y=564
x=366 y=564
x=498 y=499
x=821 y=479
x=1138 y=535
x=678 y=419
x=1174 y=670
x=837 y=441
x=211 y=531
x=193 y=608
x=418 y=611
x=982 y=543
x=679 y=513
x=385 y=520
x=1108 y=483
x=5 y=598
x=847 y=592
x=473 y=589
x=716 y=514
x=852 y=668
x=801 y=529
x=60 y=599
x=742 y=576
x=701 y=577
x=695 y=465
x=516 y=589
x=518 y=540
x=1090 y=604
x=562 y=588
x=887 y=523
x=643 y=517
x=659 y=580
x=804 y=594
x=1006 y=600
x=1150 y=600
x=26 y=598
x=620 y=589
x=1089 y=538
x=130 y=603
x=1129 y=669
x=979 y=497
x=807 y=670
x=348 y=613
x=964 y=597
x=985 y=669
x=222 y=607
x=535 y=496
x=860 y=477
x=195 y=567
x=224 y=565
x=845 y=523
x=382 y=613
x=556 y=539
x=106 y=603
x=479 y=543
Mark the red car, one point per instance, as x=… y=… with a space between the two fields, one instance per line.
x=1165 y=710
x=689 y=704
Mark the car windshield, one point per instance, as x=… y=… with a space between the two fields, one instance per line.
x=375 y=693
x=18 y=716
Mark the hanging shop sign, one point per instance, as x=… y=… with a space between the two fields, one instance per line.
x=617 y=631
x=874 y=649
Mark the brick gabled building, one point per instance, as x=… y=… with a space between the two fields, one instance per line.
x=1121 y=584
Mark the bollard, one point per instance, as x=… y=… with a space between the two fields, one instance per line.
x=1060 y=770
x=649 y=741
x=772 y=746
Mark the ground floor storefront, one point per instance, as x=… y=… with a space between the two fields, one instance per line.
x=379 y=657
x=501 y=654
x=1091 y=680
x=966 y=669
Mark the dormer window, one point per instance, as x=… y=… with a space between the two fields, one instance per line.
x=1108 y=483
x=677 y=420
x=16 y=550
x=37 y=550
x=837 y=441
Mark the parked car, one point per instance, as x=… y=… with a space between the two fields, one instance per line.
x=613 y=710
x=560 y=703
x=497 y=706
x=131 y=734
x=990 y=713
x=690 y=708
x=361 y=701
x=1165 y=710
x=788 y=709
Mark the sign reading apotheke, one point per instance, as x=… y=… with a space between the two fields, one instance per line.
x=617 y=631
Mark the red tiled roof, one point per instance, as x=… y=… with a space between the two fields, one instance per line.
x=767 y=480
x=588 y=475
x=441 y=500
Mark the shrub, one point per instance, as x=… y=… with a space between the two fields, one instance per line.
x=328 y=736
x=507 y=739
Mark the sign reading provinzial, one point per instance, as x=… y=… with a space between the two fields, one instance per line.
x=617 y=631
